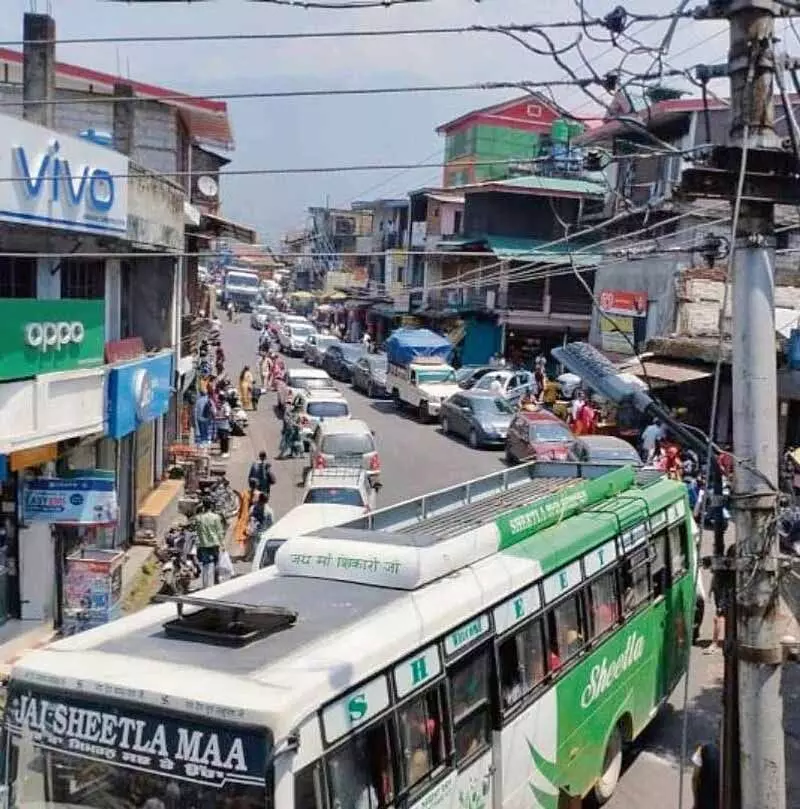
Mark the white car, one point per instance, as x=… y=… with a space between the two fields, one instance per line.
x=340 y=487
x=511 y=385
x=303 y=379
x=317 y=406
x=293 y=337
x=260 y=315
x=345 y=444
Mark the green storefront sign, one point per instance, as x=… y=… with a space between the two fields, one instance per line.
x=39 y=337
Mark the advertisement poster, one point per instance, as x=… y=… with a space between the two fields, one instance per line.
x=85 y=497
x=92 y=588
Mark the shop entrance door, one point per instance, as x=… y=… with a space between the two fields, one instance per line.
x=145 y=462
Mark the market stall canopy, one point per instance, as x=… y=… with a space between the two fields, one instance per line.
x=663 y=373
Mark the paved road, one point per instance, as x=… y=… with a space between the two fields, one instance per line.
x=418 y=458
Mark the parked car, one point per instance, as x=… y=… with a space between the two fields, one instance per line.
x=538 y=435
x=300 y=379
x=293 y=338
x=345 y=443
x=340 y=487
x=512 y=383
x=369 y=375
x=468 y=375
x=605 y=449
x=316 y=346
x=480 y=417
x=259 y=316
x=317 y=406
x=339 y=360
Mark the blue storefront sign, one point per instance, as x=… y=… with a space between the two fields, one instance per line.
x=138 y=392
x=85 y=497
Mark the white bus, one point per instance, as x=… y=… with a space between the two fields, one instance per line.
x=489 y=654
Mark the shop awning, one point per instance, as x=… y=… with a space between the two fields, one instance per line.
x=663 y=373
x=224 y=228
x=510 y=249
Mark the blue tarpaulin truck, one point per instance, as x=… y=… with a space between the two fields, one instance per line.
x=419 y=375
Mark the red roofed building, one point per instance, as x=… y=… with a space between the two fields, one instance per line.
x=486 y=144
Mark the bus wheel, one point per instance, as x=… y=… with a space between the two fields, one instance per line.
x=612 y=767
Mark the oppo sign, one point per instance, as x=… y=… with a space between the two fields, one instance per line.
x=53 y=336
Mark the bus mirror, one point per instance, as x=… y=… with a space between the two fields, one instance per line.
x=706 y=562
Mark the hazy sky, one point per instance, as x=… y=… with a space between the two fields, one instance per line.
x=287 y=133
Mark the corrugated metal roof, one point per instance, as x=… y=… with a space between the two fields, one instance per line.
x=454 y=199
x=535 y=182
x=536 y=250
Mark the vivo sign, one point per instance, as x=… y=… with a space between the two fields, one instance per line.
x=61 y=182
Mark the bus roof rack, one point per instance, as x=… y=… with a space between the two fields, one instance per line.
x=224 y=623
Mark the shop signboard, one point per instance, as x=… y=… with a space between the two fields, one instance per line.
x=40 y=337
x=83 y=497
x=61 y=182
x=139 y=392
x=92 y=588
x=623 y=322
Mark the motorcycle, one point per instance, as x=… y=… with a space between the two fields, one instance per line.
x=239 y=420
x=216 y=493
x=179 y=563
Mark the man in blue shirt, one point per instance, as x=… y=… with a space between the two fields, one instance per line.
x=203 y=416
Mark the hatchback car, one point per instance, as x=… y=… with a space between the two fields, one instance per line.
x=605 y=449
x=300 y=379
x=480 y=417
x=538 y=435
x=259 y=316
x=345 y=443
x=340 y=487
x=293 y=338
x=369 y=374
x=318 y=406
x=340 y=359
x=468 y=375
x=512 y=384
x=316 y=346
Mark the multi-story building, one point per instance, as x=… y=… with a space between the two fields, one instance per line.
x=503 y=140
x=663 y=298
x=92 y=288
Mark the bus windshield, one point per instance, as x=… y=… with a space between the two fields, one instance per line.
x=241 y=279
x=86 y=753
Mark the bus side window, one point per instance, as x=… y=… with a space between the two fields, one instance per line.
x=522 y=665
x=658 y=568
x=635 y=580
x=603 y=603
x=360 y=771
x=308 y=788
x=469 y=689
x=422 y=736
x=678 y=540
x=566 y=632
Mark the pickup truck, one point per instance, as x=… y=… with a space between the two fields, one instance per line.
x=418 y=374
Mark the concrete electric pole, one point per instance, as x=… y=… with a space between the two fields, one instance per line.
x=754 y=173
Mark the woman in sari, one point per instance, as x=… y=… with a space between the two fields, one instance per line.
x=246 y=388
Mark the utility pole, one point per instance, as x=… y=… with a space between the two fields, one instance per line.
x=767 y=181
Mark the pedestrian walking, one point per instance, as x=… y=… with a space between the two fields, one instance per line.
x=261 y=476
x=203 y=416
x=246 y=388
x=721 y=590
x=210 y=529
x=289 y=431
x=651 y=434
x=224 y=414
x=264 y=368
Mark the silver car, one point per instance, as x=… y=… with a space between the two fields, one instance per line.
x=316 y=346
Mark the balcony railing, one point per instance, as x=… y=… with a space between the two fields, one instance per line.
x=463 y=298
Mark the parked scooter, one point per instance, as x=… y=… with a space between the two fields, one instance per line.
x=239 y=420
x=179 y=563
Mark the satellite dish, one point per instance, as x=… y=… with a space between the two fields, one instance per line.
x=207 y=186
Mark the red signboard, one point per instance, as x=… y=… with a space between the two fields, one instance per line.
x=124 y=350
x=622 y=302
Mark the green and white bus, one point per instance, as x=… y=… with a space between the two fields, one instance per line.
x=495 y=648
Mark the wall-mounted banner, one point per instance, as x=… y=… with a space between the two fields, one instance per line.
x=100 y=740
x=61 y=182
x=85 y=497
x=138 y=392
x=39 y=337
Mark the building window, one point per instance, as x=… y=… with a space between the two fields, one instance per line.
x=17 y=277
x=83 y=279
